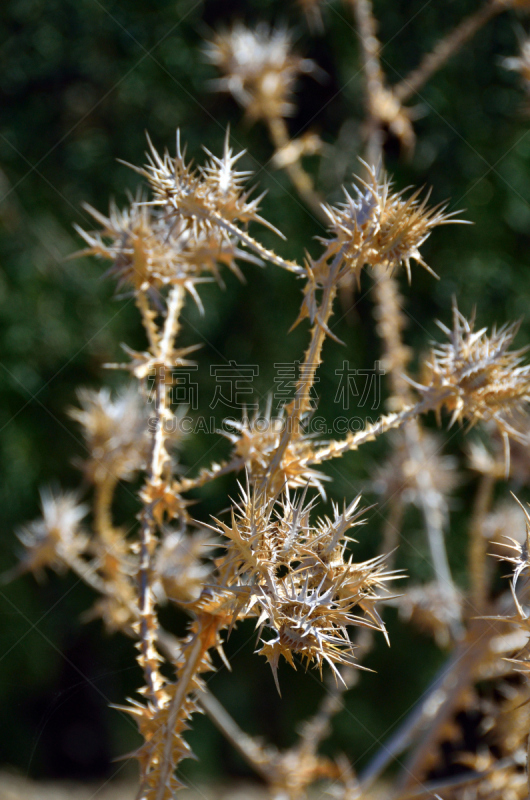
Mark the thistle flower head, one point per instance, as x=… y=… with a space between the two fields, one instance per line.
x=135 y=241
x=479 y=378
x=258 y=68
x=297 y=577
x=195 y=194
x=115 y=431
x=193 y=225
x=57 y=536
x=148 y=252
x=377 y=226
x=256 y=439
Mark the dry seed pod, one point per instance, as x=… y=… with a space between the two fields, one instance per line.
x=57 y=537
x=298 y=579
x=258 y=68
x=115 y=431
x=379 y=227
x=479 y=378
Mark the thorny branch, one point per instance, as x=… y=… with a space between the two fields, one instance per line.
x=291 y=572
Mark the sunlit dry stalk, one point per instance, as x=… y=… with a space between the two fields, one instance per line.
x=383 y=108
x=374 y=78
x=470 y=781
x=302 y=182
x=390 y=325
x=312 y=360
x=148 y=620
x=311 y=8
x=388 y=311
x=447 y=47
x=459 y=675
x=396 y=356
x=272 y=559
x=478 y=544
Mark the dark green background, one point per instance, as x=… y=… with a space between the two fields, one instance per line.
x=80 y=82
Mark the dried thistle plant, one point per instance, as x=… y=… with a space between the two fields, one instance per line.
x=274 y=557
x=259 y=68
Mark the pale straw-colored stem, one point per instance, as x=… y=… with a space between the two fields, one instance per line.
x=252 y=244
x=260 y=758
x=434 y=513
x=193 y=659
x=373 y=74
x=435 y=706
x=103 y=495
x=373 y=430
x=527 y=763
x=433 y=789
x=446 y=48
x=478 y=545
x=458 y=676
x=299 y=178
x=302 y=402
x=85 y=571
x=171 y=325
x=148 y=320
x=209 y=474
x=390 y=325
x=157 y=461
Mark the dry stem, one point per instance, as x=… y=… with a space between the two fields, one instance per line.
x=148 y=620
x=301 y=181
x=478 y=545
x=374 y=77
x=446 y=48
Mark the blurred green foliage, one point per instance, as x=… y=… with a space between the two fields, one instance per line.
x=80 y=83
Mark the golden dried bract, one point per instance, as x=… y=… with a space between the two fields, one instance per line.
x=57 y=537
x=298 y=578
x=478 y=377
x=258 y=68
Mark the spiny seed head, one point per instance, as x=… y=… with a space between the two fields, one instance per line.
x=297 y=577
x=255 y=441
x=115 y=431
x=377 y=226
x=177 y=238
x=479 y=378
x=135 y=241
x=54 y=538
x=258 y=68
x=198 y=197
